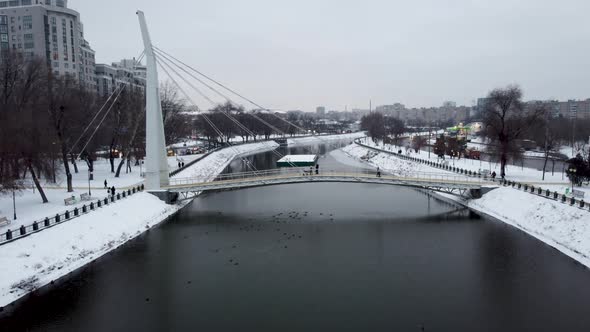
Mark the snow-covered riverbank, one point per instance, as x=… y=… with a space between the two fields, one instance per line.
x=323 y=139
x=35 y=261
x=561 y=226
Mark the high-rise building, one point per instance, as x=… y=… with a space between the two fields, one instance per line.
x=48 y=29
x=128 y=71
x=320 y=111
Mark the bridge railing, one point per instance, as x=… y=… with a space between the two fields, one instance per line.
x=298 y=172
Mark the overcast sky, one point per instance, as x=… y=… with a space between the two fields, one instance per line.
x=301 y=54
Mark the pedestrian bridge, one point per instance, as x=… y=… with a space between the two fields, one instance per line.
x=448 y=183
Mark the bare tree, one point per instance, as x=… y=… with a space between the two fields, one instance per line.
x=506 y=120
x=23 y=144
x=374 y=124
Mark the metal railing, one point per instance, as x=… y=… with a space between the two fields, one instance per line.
x=276 y=174
x=529 y=188
x=48 y=222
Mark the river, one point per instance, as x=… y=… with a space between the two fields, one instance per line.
x=319 y=257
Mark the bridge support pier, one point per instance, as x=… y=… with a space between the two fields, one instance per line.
x=166 y=196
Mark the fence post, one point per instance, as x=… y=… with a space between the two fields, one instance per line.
x=35 y=226
x=84 y=208
x=563 y=198
x=23 y=230
x=573 y=201
x=106 y=201
x=91 y=205
x=118 y=196
x=582 y=204
x=547 y=193
x=112 y=198
x=67 y=215
x=99 y=203
x=9 y=235
x=76 y=212
x=46 y=222
x=57 y=218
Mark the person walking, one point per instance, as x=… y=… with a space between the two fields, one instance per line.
x=378 y=172
x=494 y=176
x=317 y=169
x=179 y=165
x=105 y=184
x=113 y=190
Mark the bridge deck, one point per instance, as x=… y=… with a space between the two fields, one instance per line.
x=274 y=177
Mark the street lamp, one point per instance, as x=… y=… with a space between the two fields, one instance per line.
x=14 y=204
x=89 y=177
x=573 y=176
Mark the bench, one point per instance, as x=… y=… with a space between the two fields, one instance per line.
x=85 y=197
x=70 y=201
x=4 y=221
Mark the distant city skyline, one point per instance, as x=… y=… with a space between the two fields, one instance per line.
x=342 y=54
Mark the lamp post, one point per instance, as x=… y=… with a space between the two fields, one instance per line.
x=89 y=177
x=573 y=176
x=14 y=204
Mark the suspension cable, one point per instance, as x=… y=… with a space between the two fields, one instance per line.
x=99 y=112
x=215 y=128
x=165 y=61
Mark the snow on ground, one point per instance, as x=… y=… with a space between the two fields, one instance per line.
x=208 y=168
x=34 y=261
x=323 y=139
x=30 y=208
x=387 y=162
x=516 y=173
x=173 y=161
x=563 y=227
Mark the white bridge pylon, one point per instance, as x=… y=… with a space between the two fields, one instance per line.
x=156 y=174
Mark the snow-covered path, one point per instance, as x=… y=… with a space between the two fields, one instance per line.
x=323 y=139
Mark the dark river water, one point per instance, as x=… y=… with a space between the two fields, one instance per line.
x=319 y=257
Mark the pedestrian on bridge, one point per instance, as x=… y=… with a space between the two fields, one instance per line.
x=106 y=184
x=113 y=191
x=317 y=169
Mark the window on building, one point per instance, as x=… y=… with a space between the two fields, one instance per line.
x=3 y=29
x=26 y=2
x=27 y=22
x=53 y=20
x=29 y=45
x=66 y=65
x=3 y=19
x=55 y=64
x=13 y=3
x=4 y=38
x=3 y=4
